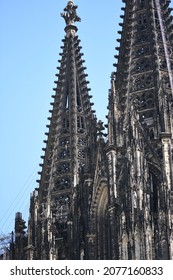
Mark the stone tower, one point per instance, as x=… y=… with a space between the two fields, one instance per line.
x=72 y=131
x=140 y=132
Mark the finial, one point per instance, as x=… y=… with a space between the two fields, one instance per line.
x=100 y=129
x=70 y=14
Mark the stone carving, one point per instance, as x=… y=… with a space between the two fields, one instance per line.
x=70 y=14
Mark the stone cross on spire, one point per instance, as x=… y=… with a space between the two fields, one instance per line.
x=70 y=14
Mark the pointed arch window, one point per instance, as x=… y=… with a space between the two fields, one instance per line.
x=149 y=244
x=141 y=51
x=165 y=250
x=67 y=98
x=146 y=100
x=64 y=141
x=67 y=103
x=142 y=65
x=66 y=122
x=124 y=247
x=142 y=82
x=78 y=98
x=64 y=153
x=62 y=183
x=142 y=21
x=63 y=167
x=81 y=141
x=137 y=245
x=80 y=122
x=61 y=208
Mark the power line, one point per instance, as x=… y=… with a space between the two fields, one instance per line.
x=21 y=196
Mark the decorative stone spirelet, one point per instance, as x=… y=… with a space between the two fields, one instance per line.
x=70 y=14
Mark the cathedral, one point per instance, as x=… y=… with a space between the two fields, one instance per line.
x=105 y=192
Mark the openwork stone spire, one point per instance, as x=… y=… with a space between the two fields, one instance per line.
x=70 y=14
x=140 y=126
x=72 y=130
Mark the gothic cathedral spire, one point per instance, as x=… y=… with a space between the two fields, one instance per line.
x=141 y=126
x=109 y=196
x=71 y=130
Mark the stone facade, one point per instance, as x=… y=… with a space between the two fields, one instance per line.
x=109 y=196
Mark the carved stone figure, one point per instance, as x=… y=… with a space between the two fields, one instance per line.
x=70 y=14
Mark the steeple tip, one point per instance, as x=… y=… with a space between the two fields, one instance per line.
x=70 y=15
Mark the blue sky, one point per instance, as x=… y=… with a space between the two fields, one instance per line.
x=31 y=34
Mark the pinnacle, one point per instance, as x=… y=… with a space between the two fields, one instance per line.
x=70 y=15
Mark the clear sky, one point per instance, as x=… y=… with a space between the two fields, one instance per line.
x=31 y=33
